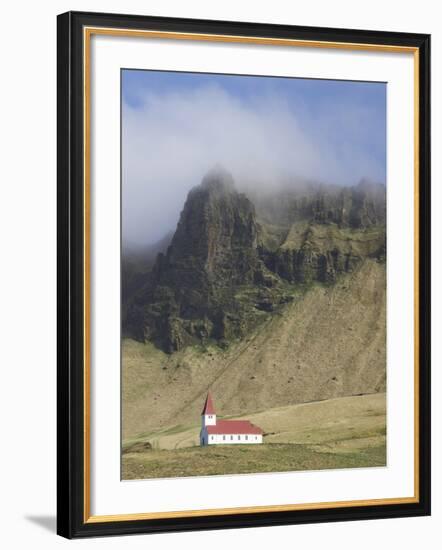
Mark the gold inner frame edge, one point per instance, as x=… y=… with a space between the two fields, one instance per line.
x=87 y=33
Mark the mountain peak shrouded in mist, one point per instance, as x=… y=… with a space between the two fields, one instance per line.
x=215 y=219
x=261 y=130
x=232 y=261
x=213 y=251
x=218 y=179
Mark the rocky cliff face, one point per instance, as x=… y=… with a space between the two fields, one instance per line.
x=321 y=252
x=329 y=230
x=360 y=206
x=192 y=294
x=217 y=230
x=230 y=265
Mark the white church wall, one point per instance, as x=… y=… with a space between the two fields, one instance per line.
x=228 y=439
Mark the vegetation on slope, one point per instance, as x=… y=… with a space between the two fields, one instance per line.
x=330 y=342
x=243 y=459
x=223 y=249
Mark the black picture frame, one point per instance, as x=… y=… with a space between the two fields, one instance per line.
x=71 y=445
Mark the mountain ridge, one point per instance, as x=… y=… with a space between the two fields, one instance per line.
x=230 y=264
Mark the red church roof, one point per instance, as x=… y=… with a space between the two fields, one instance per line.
x=234 y=427
x=208 y=406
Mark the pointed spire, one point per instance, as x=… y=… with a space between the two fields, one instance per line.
x=208 y=406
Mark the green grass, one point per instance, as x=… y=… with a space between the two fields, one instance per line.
x=243 y=459
x=341 y=425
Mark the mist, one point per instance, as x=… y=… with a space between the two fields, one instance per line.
x=171 y=138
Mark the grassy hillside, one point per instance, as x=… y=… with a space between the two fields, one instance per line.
x=335 y=424
x=328 y=343
x=347 y=432
x=242 y=459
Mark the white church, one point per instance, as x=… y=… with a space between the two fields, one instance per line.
x=226 y=432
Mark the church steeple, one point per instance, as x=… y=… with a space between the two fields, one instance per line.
x=208 y=415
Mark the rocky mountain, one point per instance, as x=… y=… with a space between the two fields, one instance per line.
x=235 y=260
x=359 y=206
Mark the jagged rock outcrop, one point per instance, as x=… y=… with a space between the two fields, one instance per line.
x=360 y=206
x=320 y=252
x=217 y=230
x=194 y=290
x=227 y=268
x=323 y=230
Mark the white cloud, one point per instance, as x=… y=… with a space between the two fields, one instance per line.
x=174 y=139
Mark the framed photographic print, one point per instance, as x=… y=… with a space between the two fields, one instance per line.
x=243 y=274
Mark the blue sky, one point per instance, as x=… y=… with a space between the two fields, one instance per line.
x=262 y=129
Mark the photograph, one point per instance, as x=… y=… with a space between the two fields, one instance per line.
x=220 y=237
x=243 y=274
x=253 y=274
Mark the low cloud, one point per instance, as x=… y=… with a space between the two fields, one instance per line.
x=173 y=139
